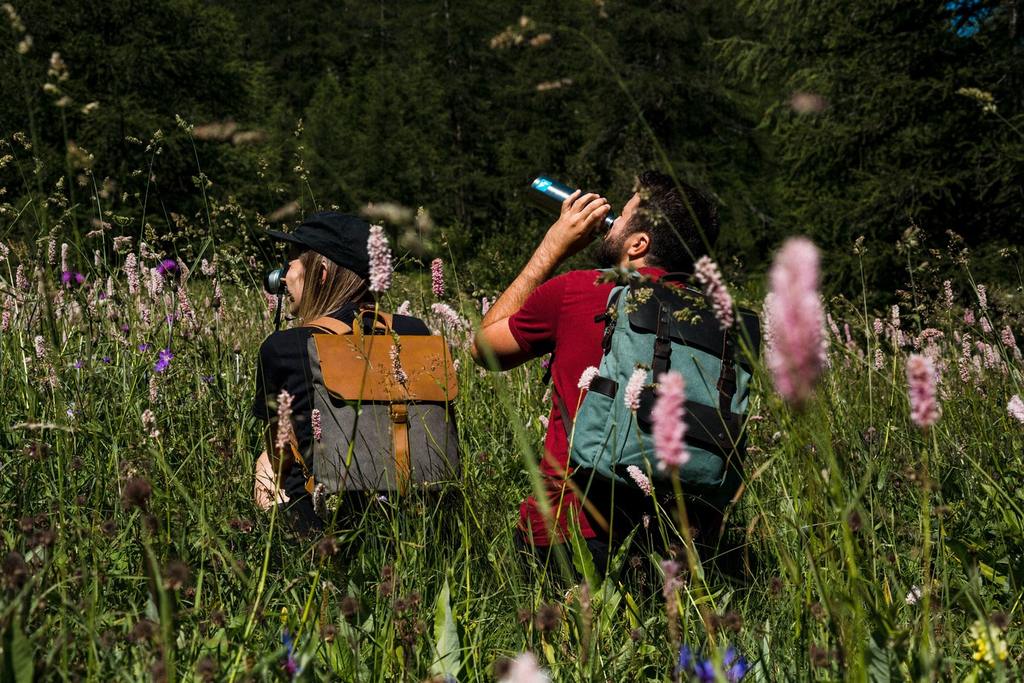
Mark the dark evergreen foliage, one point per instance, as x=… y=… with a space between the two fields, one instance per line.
x=456 y=106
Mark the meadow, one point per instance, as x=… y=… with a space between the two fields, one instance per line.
x=872 y=548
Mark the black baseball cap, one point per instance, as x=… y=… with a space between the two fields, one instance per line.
x=340 y=237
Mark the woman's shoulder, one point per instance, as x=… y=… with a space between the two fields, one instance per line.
x=284 y=342
x=407 y=324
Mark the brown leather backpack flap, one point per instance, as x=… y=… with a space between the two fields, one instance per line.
x=358 y=367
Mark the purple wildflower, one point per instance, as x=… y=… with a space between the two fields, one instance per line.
x=437 y=277
x=106 y=360
x=381 y=268
x=167 y=267
x=734 y=666
x=163 y=360
x=71 y=279
x=290 y=665
x=707 y=274
x=144 y=347
x=78 y=365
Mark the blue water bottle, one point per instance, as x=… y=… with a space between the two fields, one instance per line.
x=548 y=195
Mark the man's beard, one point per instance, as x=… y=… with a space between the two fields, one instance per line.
x=609 y=252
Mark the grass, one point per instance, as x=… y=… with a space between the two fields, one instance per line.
x=873 y=550
x=848 y=514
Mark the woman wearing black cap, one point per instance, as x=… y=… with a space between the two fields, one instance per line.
x=328 y=273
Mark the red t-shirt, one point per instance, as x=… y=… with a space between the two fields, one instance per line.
x=559 y=317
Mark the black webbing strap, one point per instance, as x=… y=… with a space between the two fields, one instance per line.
x=662 y=343
x=610 y=318
x=727 y=375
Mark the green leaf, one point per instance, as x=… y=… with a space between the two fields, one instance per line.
x=581 y=557
x=446 y=637
x=21 y=655
x=879 y=662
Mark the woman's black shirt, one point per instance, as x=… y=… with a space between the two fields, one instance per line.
x=284 y=364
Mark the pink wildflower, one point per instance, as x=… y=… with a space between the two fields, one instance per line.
x=894 y=317
x=208 y=269
x=669 y=427
x=185 y=308
x=879 y=359
x=5 y=320
x=20 y=281
x=587 y=377
x=982 y=297
x=543 y=421
x=4 y=251
x=284 y=420
x=986 y=326
x=924 y=409
x=1016 y=408
x=404 y=309
x=524 y=669
x=381 y=268
x=707 y=274
x=437 y=277
x=485 y=305
x=634 y=386
x=122 y=243
x=316 y=422
x=969 y=316
x=149 y=423
x=641 y=480
x=131 y=269
x=878 y=326
x=449 y=318
x=65 y=249
x=834 y=326
x=51 y=251
x=40 y=345
x=155 y=283
x=947 y=293
x=397 y=371
x=670 y=568
x=795 y=357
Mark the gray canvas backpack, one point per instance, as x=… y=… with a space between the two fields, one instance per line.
x=386 y=419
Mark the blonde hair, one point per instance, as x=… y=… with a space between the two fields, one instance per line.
x=340 y=287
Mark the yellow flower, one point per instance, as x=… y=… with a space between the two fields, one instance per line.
x=988 y=643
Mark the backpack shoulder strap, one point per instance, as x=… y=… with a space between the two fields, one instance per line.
x=330 y=325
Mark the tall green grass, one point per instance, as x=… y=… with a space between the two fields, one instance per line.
x=844 y=506
x=872 y=550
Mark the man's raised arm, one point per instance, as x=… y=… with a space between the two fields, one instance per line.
x=494 y=346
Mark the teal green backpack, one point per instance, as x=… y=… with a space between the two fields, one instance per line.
x=663 y=326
